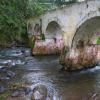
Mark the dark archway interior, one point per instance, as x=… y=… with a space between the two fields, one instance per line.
x=53 y=29
x=88 y=31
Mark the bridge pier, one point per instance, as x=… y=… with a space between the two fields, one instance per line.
x=47 y=46
x=80 y=58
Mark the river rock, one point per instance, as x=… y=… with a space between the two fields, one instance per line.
x=27 y=90
x=19 y=89
x=10 y=74
x=19 y=97
x=26 y=52
x=2 y=89
x=3 y=69
x=19 y=92
x=39 y=93
x=15 y=93
x=4 y=78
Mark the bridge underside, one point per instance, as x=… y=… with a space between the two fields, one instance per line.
x=53 y=30
x=88 y=32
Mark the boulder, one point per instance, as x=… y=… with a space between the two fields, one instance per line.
x=27 y=90
x=39 y=93
x=15 y=93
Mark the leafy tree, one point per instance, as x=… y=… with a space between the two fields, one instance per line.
x=13 y=18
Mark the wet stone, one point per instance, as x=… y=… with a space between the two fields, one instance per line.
x=18 y=96
x=20 y=89
x=6 y=74
x=3 y=69
x=4 y=78
x=39 y=93
x=10 y=74
x=27 y=90
x=2 y=89
x=15 y=93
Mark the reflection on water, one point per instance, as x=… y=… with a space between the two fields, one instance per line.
x=84 y=85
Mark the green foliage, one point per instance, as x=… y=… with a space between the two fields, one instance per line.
x=49 y=4
x=42 y=36
x=13 y=18
x=64 y=2
x=32 y=41
x=98 y=40
x=37 y=8
x=3 y=96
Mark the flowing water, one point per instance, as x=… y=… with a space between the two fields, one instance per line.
x=45 y=70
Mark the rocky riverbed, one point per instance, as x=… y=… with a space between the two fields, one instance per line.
x=26 y=77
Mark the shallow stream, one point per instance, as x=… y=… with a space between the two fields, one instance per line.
x=45 y=70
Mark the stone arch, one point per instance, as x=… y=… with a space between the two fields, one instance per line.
x=53 y=30
x=37 y=29
x=87 y=30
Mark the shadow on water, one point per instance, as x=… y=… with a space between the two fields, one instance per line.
x=82 y=85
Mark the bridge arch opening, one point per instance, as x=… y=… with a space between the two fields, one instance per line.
x=88 y=32
x=53 y=30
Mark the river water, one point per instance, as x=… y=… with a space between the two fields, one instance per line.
x=45 y=70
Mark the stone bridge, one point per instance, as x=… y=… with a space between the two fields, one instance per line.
x=78 y=21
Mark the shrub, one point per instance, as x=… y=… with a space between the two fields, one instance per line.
x=98 y=40
x=13 y=19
